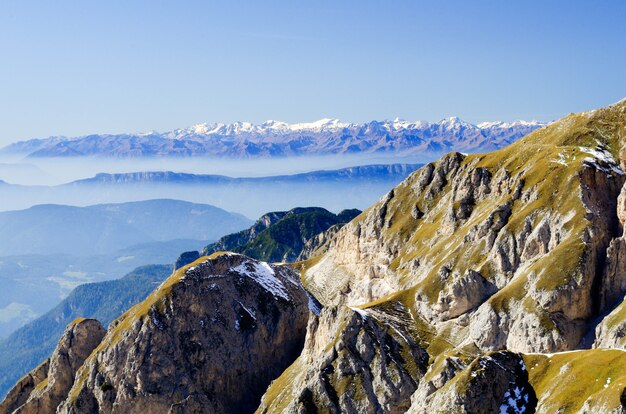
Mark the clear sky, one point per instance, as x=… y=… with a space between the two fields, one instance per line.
x=76 y=67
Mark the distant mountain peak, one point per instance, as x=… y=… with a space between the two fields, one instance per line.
x=275 y=138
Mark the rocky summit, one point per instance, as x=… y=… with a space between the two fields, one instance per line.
x=211 y=338
x=484 y=283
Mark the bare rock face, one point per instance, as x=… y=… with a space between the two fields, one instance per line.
x=209 y=340
x=78 y=341
x=494 y=383
x=613 y=289
x=19 y=394
x=370 y=365
x=319 y=244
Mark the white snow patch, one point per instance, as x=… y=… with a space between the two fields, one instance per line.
x=314 y=305
x=361 y=312
x=515 y=401
x=264 y=275
x=601 y=156
x=251 y=312
x=561 y=160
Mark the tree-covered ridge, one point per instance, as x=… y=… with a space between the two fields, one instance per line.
x=280 y=236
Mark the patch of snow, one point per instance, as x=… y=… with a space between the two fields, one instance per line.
x=360 y=311
x=264 y=275
x=251 y=312
x=156 y=321
x=561 y=160
x=322 y=124
x=602 y=160
x=514 y=401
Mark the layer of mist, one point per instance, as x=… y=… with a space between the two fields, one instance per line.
x=56 y=171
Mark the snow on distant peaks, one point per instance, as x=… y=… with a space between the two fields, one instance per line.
x=500 y=124
x=333 y=124
x=322 y=124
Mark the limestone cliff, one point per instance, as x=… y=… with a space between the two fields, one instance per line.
x=18 y=395
x=519 y=249
x=210 y=339
x=50 y=387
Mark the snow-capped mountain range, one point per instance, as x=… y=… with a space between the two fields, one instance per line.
x=279 y=139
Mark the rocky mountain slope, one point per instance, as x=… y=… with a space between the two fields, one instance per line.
x=273 y=138
x=209 y=339
x=78 y=341
x=517 y=249
x=207 y=349
x=281 y=236
x=105 y=301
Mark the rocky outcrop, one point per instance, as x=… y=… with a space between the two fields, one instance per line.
x=209 y=340
x=231 y=241
x=370 y=365
x=186 y=258
x=494 y=383
x=78 y=341
x=614 y=287
x=318 y=244
x=19 y=394
x=611 y=331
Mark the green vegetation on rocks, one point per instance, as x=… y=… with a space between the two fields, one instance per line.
x=281 y=236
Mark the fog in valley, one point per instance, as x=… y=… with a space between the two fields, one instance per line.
x=32 y=181
x=19 y=169
x=106 y=242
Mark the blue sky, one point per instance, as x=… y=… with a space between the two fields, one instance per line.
x=75 y=67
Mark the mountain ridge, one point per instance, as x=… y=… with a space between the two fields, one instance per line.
x=57 y=228
x=279 y=139
x=280 y=236
x=470 y=287
x=372 y=171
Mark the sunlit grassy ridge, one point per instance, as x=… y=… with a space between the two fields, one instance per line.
x=565 y=382
x=546 y=165
x=542 y=178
